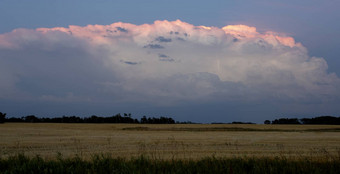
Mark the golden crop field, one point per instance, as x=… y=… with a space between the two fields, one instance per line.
x=179 y=141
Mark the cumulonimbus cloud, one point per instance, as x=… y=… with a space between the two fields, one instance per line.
x=163 y=62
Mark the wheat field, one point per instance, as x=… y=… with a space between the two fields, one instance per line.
x=176 y=141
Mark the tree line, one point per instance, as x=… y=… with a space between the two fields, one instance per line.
x=330 y=120
x=118 y=118
x=126 y=118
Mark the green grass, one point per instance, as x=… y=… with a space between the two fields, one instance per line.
x=107 y=164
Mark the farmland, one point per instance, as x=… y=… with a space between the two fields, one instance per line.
x=170 y=141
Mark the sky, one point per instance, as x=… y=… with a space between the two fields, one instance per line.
x=200 y=61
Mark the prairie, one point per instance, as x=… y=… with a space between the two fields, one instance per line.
x=170 y=141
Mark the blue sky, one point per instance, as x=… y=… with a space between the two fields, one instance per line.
x=312 y=23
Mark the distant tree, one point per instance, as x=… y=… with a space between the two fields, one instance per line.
x=31 y=118
x=143 y=119
x=150 y=120
x=267 y=122
x=286 y=121
x=14 y=120
x=322 y=120
x=2 y=117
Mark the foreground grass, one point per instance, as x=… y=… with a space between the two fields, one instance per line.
x=107 y=164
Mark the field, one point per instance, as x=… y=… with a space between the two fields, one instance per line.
x=177 y=141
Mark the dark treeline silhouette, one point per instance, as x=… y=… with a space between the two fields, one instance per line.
x=234 y=122
x=330 y=120
x=322 y=120
x=286 y=121
x=93 y=119
x=2 y=117
x=240 y=122
x=153 y=120
x=126 y=118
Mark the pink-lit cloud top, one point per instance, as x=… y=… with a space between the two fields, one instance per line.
x=116 y=31
x=162 y=63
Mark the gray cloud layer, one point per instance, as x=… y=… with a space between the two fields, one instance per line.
x=162 y=64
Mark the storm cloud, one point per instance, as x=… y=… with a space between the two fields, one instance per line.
x=234 y=63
